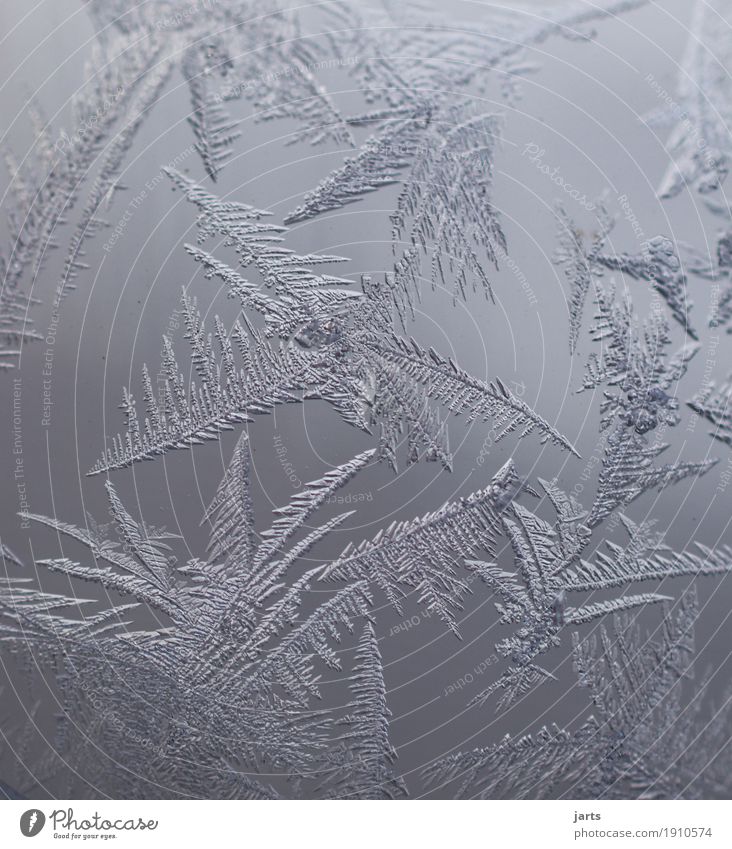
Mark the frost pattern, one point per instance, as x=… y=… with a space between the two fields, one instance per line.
x=444 y=208
x=213 y=128
x=641 y=375
x=404 y=96
x=699 y=143
x=535 y=599
x=242 y=640
x=716 y=270
x=235 y=672
x=714 y=403
x=643 y=740
x=334 y=344
x=421 y=555
x=227 y=51
x=122 y=80
x=657 y=263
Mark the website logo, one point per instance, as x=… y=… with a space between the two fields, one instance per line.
x=32 y=822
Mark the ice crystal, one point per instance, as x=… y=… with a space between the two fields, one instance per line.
x=581 y=265
x=406 y=81
x=657 y=262
x=445 y=151
x=205 y=676
x=716 y=270
x=215 y=132
x=644 y=727
x=421 y=555
x=229 y=50
x=235 y=667
x=642 y=378
x=549 y=568
x=517 y=767
x=122 y=79
x=699 y=143
x=335 y=344
x=274 y=69
x=136 y=50
x=629 y=470
x=642 y=741
x=363 y=764
x=713 y=403
x=634 y=360
x=444 y=207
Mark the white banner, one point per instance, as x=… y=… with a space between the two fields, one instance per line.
x=357 y=825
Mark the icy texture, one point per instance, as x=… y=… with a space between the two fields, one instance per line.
x=234 y=673
x=643 y=741
x=334 y=344
x=223 y=695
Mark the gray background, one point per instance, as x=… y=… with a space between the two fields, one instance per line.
x=585 y=108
